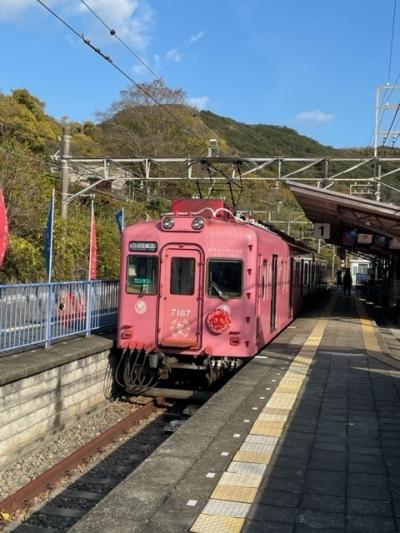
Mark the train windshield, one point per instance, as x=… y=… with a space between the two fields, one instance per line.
x=142 y=274
x=225 y=278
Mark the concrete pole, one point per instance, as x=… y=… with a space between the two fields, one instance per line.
x=377 y=113
x=65 y=156
x=378 y=184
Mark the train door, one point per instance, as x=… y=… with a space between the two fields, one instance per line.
x=291 y=286
x=179 y=314
x=274 y=276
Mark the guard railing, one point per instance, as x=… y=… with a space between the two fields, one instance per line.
x=39 y=313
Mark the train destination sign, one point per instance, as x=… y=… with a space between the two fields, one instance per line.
x=142 y=246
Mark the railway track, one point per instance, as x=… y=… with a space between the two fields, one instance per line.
x=58 y=498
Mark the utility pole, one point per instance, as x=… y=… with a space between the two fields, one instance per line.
x=386 y=129
x=65 y=156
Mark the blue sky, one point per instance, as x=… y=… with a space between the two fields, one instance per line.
x=311 y=65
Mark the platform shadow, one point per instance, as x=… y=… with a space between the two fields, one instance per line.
x=337 y=465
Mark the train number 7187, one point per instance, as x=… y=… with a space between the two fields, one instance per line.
x=182 y=313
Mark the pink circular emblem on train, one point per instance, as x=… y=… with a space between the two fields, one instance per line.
x=140 y=307
x=219 y=320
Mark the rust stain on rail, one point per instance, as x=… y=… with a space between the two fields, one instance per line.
x=46 y=481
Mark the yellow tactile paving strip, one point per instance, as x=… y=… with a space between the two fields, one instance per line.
x=369 y=330
x=217 y=524
x=264 y=436
x=371 y=333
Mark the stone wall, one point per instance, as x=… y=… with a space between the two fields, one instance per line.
x=35 y=407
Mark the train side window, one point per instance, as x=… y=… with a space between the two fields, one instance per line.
x=142 y=274
x=264 y=279
x=182 y=275
x=282 y=277
x=225 y=278
x=305 y=278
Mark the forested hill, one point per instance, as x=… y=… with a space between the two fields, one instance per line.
x=132 y=127
x=263 y=140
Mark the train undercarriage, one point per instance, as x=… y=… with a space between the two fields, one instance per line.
x=138 y=371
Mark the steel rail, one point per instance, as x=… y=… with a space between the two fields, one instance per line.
x=179 y=394
x=46 y=481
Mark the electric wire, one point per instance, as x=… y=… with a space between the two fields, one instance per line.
x=391 y=125
x=384 y=109
x=391 y=40
x=384 y=97
x=113 y=33
x=389 y=72
x=120 y=70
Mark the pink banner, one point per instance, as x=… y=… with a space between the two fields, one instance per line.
x=93 y=249
x=3 y=228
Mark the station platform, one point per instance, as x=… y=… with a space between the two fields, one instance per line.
x=28 y=363
x=305 y=438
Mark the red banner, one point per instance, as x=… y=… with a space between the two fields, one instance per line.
x=3 y=228
x=93 y=249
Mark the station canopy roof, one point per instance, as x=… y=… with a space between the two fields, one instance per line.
x=353 y=222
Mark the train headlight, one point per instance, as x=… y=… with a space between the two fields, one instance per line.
x=198 y=223
x=168 y=223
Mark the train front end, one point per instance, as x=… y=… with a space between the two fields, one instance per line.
x=183 y=301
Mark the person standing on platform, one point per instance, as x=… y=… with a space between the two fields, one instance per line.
x=339 y=278
x=347 y=282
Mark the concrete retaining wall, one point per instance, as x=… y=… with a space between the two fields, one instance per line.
x=37 y=406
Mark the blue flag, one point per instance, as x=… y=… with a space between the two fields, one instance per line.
x=120 y=219
x=48 y=239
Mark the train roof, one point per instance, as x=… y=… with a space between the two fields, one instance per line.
x=218 y=208
x=294 y=243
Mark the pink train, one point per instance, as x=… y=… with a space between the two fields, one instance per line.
x=206 y=289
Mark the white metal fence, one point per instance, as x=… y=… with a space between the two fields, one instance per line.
x=39 y=313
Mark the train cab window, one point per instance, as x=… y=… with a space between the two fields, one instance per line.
x=225 y=278
x=142 y=274
x=182 y=275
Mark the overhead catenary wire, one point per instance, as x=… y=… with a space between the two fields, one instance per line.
x=127 y=76
x=391 y=40
x=113 y=33
x=389 y=71
x=391 y=125
x=120 y=70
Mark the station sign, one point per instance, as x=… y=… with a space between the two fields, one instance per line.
x=394 y=244
x=322 y=230
x=364 y=238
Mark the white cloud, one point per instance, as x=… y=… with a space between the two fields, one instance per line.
x=195 y=37
x=131 y=19
x=315 y=117
x=174 y=55
x=11 y=9
x=201 y=102
x=139 y=69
